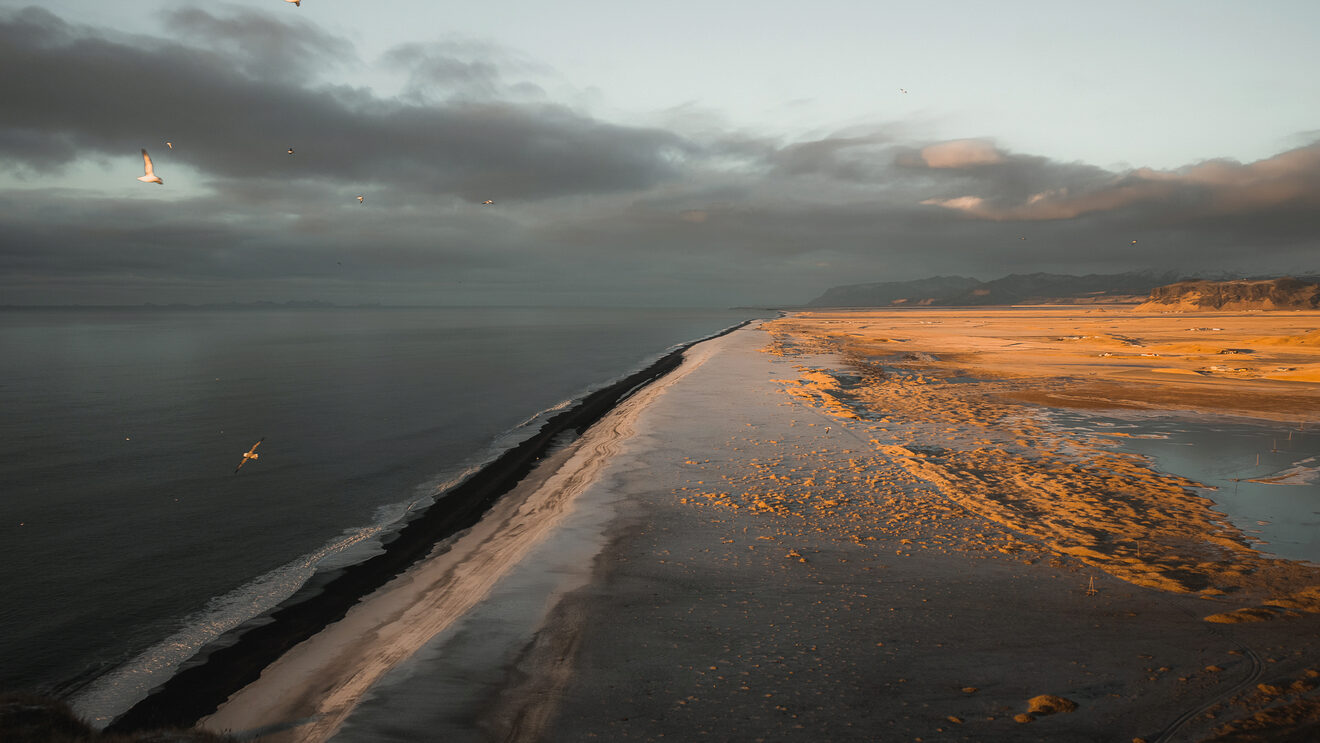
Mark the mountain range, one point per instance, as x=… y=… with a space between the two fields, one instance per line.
x=1033 y=288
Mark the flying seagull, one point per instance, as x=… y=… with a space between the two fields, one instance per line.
x=169 y=145
x=1134 y=242
x=487 y=202
x=250 y=454
x=295 y=2
x=150 y=176
x=290 y=150
x=902 y=90
x=360 y=200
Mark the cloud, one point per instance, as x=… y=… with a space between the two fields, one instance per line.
x=686 y=210
x=845 y=158
x=84 y=95
x=1288 y=182
x=464 y=69
x=261 y=45
x=962 y=153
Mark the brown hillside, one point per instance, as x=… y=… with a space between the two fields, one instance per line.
x=1208 y=296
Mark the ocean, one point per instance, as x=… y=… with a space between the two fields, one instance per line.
x=129 y=540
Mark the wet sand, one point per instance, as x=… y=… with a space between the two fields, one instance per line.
x=856 y=526
x=310 y=690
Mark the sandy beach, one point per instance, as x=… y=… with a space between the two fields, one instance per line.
x=862 y=526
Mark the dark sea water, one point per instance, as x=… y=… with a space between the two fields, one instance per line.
x=126 y=539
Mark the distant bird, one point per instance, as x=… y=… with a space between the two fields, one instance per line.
x=360 y=200
x=290 y=150
x=295 y=2
x=1022 y=238
x=1134 y=242
x=903 y=90
x=150 y=176
x=250 y=454
x=487 y=202
x=169 y=145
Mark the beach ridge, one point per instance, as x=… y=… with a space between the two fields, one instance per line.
x=199 y=690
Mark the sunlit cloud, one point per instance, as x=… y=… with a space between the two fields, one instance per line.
x=1288 y=181
x=962 y=153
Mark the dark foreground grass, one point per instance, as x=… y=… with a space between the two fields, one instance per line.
x=32 y=718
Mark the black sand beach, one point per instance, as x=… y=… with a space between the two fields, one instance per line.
x=198 y=690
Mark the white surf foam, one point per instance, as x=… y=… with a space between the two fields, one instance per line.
x=115 y=692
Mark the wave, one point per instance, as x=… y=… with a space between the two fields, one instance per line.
x=115 y=691
x=112 y=693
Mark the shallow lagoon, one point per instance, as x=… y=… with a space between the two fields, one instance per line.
x=1264 y=476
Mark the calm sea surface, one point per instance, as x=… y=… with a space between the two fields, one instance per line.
x=126 y=539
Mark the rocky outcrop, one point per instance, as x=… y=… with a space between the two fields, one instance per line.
x=1210 y=296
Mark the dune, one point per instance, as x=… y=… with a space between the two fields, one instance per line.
x=1304 y=339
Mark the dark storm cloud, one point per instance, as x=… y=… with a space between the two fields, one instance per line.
x=232 y=114
x=586 y=211
x=842 y=158
x=189 y=240
x=261 y=46
x=840 y=210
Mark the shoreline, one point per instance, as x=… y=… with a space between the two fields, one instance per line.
x=199 y=690
x=828 y=530
x=309 y=693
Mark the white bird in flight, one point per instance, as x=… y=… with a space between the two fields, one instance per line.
x=150 y=176
x=360 y=200
x=487 y=202
x=169 y=145
x=295 y=2
x=902 y=90
x=249 y=454
x=290 y=150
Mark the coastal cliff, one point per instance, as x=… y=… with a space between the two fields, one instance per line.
x=1204 y=296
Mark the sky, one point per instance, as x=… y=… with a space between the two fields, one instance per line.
x=686 y=154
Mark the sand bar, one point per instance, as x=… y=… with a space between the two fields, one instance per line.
x=308 y=692
x=823 y=546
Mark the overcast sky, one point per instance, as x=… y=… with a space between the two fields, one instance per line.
x=713 y=153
